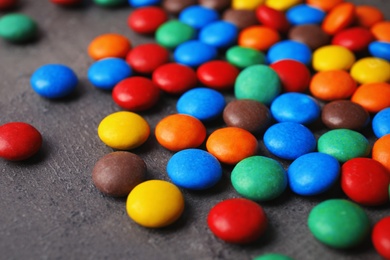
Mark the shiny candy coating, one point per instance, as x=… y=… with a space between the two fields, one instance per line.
x=147 y=57
x=339 y=18
x=246 y=5
x=258 y=37
x=110 y=45
x=282 y=5
x=380 y=50
x=381 y=237
x=217 y=74
x=243 y=57
x=294 y=75
x=198 y=16
x=381 y=123
x=194 y=53
x=367 y=15
x=372 y=96
x=310 y=34
x=381 y=151
x=241 y=18
x=381 y=31
x=272 y=18
x=146 y=20
x=289 y=49
x=355 y=38
x=220 y=34
x=304 y=14
x=141 y=3
x=174 y=32
x=371 y=70
x=17 y=27
x=333 y=57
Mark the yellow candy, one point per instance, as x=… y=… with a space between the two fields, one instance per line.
x=333 y=57
x=246 y=4
x=371 y=70
x=123 y=130
x=282 y=5
x=155 y=204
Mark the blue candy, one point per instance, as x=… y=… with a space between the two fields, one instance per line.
x=220 y=34
x=140 y=3
x=289 y=50
x=289 y=140
x=54 y=81
x=305 y=14
x=295 y=107
x=202 y=103
x=380 y=50
x=194 y=53
x=106 y=73
x=194 y=169
x=198 y=16
x=381 y=123
x=313 y=173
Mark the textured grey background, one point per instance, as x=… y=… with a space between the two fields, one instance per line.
x=49 y=208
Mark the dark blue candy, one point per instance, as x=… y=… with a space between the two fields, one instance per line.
x=305 y=14
x=381 y=123
x=289 y=49
x=140 y=3
x=194 y=53
x=220 y=34
x=198 y=16
x=380 y=50
x=194 y=169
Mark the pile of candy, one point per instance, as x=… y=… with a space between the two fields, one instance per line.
x=290 y=65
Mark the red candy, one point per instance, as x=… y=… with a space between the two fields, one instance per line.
x=146 y=20
x=136 y=94
x=19 y=141
x=145 y=58
x=272 y=18
x=237 y=220
x=354 y=39
x=381 y=237
x=6 y=4
x=294 y=75
x=66 y=2
x=365 y=181
x=174 y=78
x=219 y=75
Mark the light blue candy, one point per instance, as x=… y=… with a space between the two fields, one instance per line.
x=194 y=53
x=381 y=123
x=54 y=81
x=220 y=34
x=198 y=16
x=313 y=173
x=202 y=103
x=295 y=107
x=140 y=3
x=194 y=169
x=289 y=49
x=380 y=50
x=305 y=14
x=106 y=73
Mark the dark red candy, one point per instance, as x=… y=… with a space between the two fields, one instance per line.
x=294 y=75
x=217 y=74
x=272 y=18
x=354 y=39
x=19 y=141
x=145 y=58
x=146 y=20
x=7 y=4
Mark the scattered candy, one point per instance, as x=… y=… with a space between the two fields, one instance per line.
x=173 y=33
x=288 y=49
x=217 y=5
x=246 y=5
x=194 y=53
x=380 y=50
x=381 y=237
x=367 y=16
x=16 y=27
x=381 y=123
x=146 y=58
x=273 y=256
x=294 y=75
x=339 y=18
x=373 y=96
x=272 y=18
x=324 y=5
x=240 y=18
x=146 y=20
x=381 y=31
x=220 y=34
x=304 y=14
x=243 y=57
x=371 y=70
x=175 y=6
x=142 y=3
x=258 y=37
x=198 y=16
x=217 y=74
x=381 y=152
x=310 y=34
x=110 y=45
x=333 y=57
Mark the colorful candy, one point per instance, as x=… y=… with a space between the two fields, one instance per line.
x=243 y=57
x=110 y=3
x=110 y=45
x=147 y=57
x=241 y=18
x=174 y=78
x=146 y=20
x=381 y=31
x=246 y=5
x=272 y=256
x=381 y=152
x=333 y=57
x=194 y=53
x=371 y=70
x=304 y=14
x=373 y=96
x=355 y=38
x=272 y=18
x=288 y=49
x=173 y=33
x=198 y=16
x=381 y=237
x=381 y=123
x=367 y=16
x=310 y=34
x=380 y=50
x=294 y=75
x=17 y=27
x=142 y=3
x=258 y=37
x=220 y=34
x=217 y=74
x=339 y=18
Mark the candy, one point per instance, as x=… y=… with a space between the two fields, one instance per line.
x=117 y=173
x=381 y=123
x=371 y=70
x=381 y=237
x=175 y=6
x=272 y=18
x=146 y=20
x=173 y=33
x=339 y=223
x=313 y=173
x=310 y=34
x=243 y=57
x=246 y=5
x=155 y=204
x=272 y=256
x=198 y=16
x=218 y=74
x=194 y=169
x=339 y=17
x=177 y=132
x=258 y=37
x=294 y=75
x=373 y=96
x=282 y=5
x=355 y=38
x=109 y=45
x=15 y=27
x=194 y=53
x=54 y=81
x=304 y=14
x=259 y=178
x=333 y=57
x=324 y=5
x=8 y=4
x=240 y=18
x=381 y=31
x=174 y=78
x=288 y=49
x=217 y=5
x=367 y=16
x=110 y=3
x=380 y=50
x=19 y=141
x=237 y=220
x=141 y=3
x=381 y=152
x=147 y=57
x=66 y=2
x=220 y=34
x=123 y=130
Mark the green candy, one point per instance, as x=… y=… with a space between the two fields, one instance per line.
x=110 y=3
x=17 y=28
x=339 y=223
x=257 y=82
x=172 y=33
x=259 y=178
x=243 y=57
x=344 y=144
x=273 y=256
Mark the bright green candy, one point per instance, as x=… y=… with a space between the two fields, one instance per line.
x=172 y=33
x=17 y=27
x=257 y=82
x=243 y=57
x=273 y=256
x=110 y=3
x=343 y=144
x=339 y=223
x=259 y=178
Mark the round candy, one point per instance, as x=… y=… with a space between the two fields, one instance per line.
x=343 y=144
x=217 y=74
x=147 y=57
x=272 y=18
x=294 y=75
x=367 y=15
x=194 y=169
x=7 y=4
x=324 y=5
x=110 y=3
x=222 y=143
x=110 y=45
x=141 y=3
x=339 y=223
x=243 y=57
x=198 y=16
x=15 y=27
x=106 y=73
x=146 y=20
x=123 y=130
x=259 y=178
x=218 y=5
x=202 y=103
x=304 y=14
x=258 y=37
x=240 y=18
x=177 y=132
x=288 y=49
x=282 y=5
x=19 y=141
x=66 y=2
x=173 y=33
x=340 y=17
x=365 y=181
x=380 y=50
x=373 y=96
x=313 y=173
x=54 y=81
x=310 y=34
x=381 y=151
x=237 y=220
x=175 y=7
x=333 y=57
x=194 y=53
x=381 y=31
x=245 y=4
x=381 y=123
x=117 y=173
x=220 y=34
x=381 y=237
x=174 y=78
x=155 y=204
x=371 y=70
x=289 y=140
x=355 y=38
x=257 y=82
x=272 y=256
x=288 y=107
x=136 y=94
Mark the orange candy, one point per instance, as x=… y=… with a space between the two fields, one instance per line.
x=381 y=151
x=373 y=96
x=340 y=17
x=231 y=144
x=177 y=132
x=109 y=45
x=332 y=85
x=325 y=5
x=367 y=15
x=258 y=37
x=381 y=31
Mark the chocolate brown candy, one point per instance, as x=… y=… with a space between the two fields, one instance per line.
x=218 y=5
x=240 y=18
x=310 y=34
x=117 y=173
x=344 y=114
x=176 y=6
x=248 y=114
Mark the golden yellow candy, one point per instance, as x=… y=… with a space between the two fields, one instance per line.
x=246 y=4
x=282 y=5
x=371 y=70
x=332 y=57
x=155 y=203
x=123 y=130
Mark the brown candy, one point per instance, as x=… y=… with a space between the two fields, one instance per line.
x=176 y=6
x=310 y=34
x=117 y=173
x=344 y=114
x=241 y=18
x=218 y=5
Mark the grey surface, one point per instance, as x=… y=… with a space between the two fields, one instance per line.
x=49 y=208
